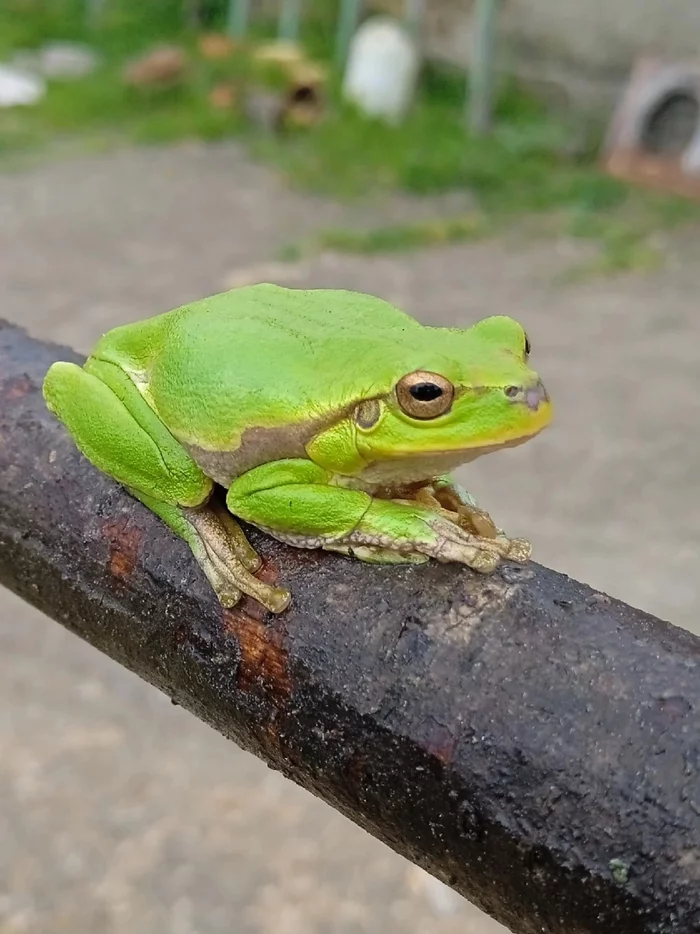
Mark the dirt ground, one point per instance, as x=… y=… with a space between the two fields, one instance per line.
x=122 y=814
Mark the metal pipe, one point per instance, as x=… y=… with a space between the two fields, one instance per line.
x=531 y=742
x=481 y=75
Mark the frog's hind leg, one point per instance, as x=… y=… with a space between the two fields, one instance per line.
x=120 y=434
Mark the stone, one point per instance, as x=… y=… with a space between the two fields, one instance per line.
x=67 y=60
x=163 y=67
x=382 y=69
x=20 y=88
x=217 y=46
x=223 y=97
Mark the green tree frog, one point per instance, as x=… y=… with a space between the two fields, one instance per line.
x=332 y=418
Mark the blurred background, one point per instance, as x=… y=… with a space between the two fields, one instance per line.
x=457 y=157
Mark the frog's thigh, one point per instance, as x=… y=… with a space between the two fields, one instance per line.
x=117 y=431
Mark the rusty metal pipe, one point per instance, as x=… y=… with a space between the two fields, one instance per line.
x=531 y=742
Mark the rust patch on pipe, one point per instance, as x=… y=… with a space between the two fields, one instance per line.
x=264 y=658
x=440 y=741
x=124 y=541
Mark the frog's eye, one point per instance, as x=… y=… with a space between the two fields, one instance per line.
x=424 y=395
x=528 y=347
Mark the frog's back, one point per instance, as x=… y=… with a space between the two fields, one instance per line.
x=265 y=355
x=286 y=316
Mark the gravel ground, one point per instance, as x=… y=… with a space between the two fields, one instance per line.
x=97 y=770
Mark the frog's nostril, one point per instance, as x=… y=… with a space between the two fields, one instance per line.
x=535 y=396
x=532 y=396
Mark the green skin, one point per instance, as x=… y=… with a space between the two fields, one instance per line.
x=292 y=401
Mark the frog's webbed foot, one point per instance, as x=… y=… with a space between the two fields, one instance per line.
x=458 y=541
x=490 y=544
x=228 y=560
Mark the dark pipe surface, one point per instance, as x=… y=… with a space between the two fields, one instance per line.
x=531 y=742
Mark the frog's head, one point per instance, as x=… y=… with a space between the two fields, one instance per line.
x=476 y=394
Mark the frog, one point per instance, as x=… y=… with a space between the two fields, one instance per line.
x=332 y=419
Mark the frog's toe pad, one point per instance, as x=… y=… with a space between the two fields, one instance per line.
x=519 y=551
x=485 y=562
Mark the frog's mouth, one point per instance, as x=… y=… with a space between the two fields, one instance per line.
x=535 y=414
x=430 y=449
x=471 y=452
x=412 y=466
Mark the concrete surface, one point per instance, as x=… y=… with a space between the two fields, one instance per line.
x=121 y=814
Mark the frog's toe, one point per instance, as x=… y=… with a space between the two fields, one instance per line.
x=476 y=520
x=466 y=514
x=453 y=543
x=230 y=582
x=485 y=562
x=519 y=551
x=227 y=559
x=228 y=596
x=481 y=553
x=276 y=599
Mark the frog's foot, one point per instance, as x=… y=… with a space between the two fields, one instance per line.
x=466 y=515
x=455 y=540
x=453 y=502
x=222 y=551
x=228 y=560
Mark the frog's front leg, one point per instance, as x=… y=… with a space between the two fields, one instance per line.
x=453 y=496
x=444 y=493
x=295 y=501
x=122 y=436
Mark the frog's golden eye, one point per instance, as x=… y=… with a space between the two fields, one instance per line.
x=425 y=395
x=528 y=347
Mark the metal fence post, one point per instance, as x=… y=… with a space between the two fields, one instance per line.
x=348 y=19
x=238 y=17
x=414 y=11
x=289 y=20
x=481 y=76
x=93 y=12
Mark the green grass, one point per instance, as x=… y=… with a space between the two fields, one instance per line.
x=393 y=238
x=101 y=103
x=525 y=167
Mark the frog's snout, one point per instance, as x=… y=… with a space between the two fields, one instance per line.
x=533 y=396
